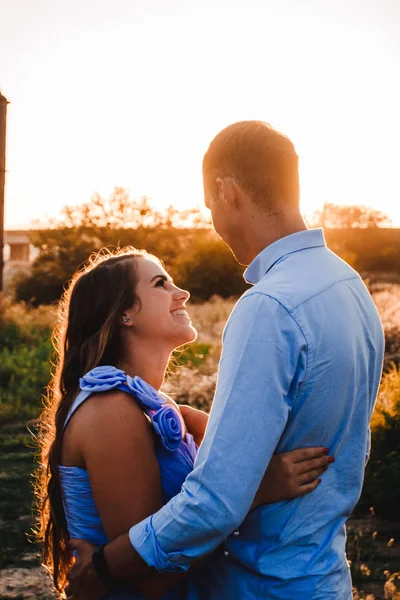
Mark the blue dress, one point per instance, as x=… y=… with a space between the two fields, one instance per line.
x=175 y=456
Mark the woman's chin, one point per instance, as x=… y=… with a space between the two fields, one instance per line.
x=193 y=337
x=189 y=336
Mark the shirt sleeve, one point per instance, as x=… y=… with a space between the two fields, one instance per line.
x=262 y=364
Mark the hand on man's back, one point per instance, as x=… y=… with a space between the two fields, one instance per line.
x=84 y=583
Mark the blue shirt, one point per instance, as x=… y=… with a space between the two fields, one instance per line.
x=301 y=365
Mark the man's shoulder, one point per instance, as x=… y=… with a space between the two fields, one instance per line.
x=261 y=303
x=295 y=281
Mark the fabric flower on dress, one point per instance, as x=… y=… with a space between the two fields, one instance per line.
x=168 y=426
x=165 y=419
x=101 y=379
x=144 y=392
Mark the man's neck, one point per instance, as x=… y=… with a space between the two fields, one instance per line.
x=265 y=230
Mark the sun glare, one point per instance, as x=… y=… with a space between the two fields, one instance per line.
x=135 y=103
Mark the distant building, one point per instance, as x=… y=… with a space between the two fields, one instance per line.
x=18 y=254
x=17 y=246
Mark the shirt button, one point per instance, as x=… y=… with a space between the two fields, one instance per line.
x=236 y=533
x=226 y=553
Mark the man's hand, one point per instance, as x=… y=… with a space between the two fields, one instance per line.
x=83 y=581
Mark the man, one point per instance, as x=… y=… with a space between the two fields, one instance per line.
x=300 y=366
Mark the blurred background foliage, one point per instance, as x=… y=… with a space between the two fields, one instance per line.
x=25 y=363
x=192 y=252
x=200 y=262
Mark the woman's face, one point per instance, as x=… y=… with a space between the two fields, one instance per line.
x=161 y=314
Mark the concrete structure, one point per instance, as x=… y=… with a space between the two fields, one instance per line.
x=18 y=255
x=17 y=246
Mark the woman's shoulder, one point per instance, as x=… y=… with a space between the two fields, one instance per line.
x=102 y=386
x=105 y=399
x=106 y=378
x=111 y=408
x=110 y=415
x=108 y=393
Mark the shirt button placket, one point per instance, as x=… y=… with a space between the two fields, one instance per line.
x=235 y=533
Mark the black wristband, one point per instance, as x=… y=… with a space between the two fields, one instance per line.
x=100 y=565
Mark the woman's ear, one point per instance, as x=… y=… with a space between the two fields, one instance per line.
x=126 y=319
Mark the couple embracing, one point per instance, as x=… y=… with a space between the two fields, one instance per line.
x=160 y=501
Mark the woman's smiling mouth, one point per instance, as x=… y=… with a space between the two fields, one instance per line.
x=179 y=312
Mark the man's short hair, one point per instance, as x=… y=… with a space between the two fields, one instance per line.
x=262 y=160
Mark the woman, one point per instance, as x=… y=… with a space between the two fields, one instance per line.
x=114 y=449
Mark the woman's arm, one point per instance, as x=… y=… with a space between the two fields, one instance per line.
x=118 y=452
x=292 y=474
x=195 y=420
x=289 y=475
x=117 y=449
x=115 y=443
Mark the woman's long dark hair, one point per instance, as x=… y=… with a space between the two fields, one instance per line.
x=85 y=336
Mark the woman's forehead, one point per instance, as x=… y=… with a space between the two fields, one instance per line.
x=149 y=267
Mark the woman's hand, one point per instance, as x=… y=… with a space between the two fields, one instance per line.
x=84 y=583
x=195 y=420
x=292 y=474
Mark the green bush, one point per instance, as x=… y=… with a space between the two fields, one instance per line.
x=25 y=350
x=10 y=336
x=209 y=268
x=382 y=478
x=197 y=259
x=190 y=356
x=24 y=374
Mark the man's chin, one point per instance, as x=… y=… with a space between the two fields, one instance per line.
x=238 y=253
x=240 y=257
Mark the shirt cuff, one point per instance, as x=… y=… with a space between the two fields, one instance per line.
x=143 y=538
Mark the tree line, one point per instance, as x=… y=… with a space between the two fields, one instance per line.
x=192 y=252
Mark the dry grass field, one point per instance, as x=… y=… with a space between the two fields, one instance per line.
x=373 y=545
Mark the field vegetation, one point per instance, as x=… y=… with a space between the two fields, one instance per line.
x=199 y=261
x=25 y=363
x=191 y=250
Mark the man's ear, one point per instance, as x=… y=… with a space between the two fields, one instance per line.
x=228 y=189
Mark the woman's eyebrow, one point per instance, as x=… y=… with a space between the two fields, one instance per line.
x=164 y=277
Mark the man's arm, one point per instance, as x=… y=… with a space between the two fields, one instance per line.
x=263 y=363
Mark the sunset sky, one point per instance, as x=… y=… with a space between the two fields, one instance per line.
x=130 y=93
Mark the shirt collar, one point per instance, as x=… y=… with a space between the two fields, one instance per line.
x=263 y=262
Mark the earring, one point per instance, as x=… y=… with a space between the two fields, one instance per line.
x=126 y=319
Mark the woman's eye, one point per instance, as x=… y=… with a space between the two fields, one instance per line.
x=160 y=283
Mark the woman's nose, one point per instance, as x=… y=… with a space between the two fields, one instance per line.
x=183 y=295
